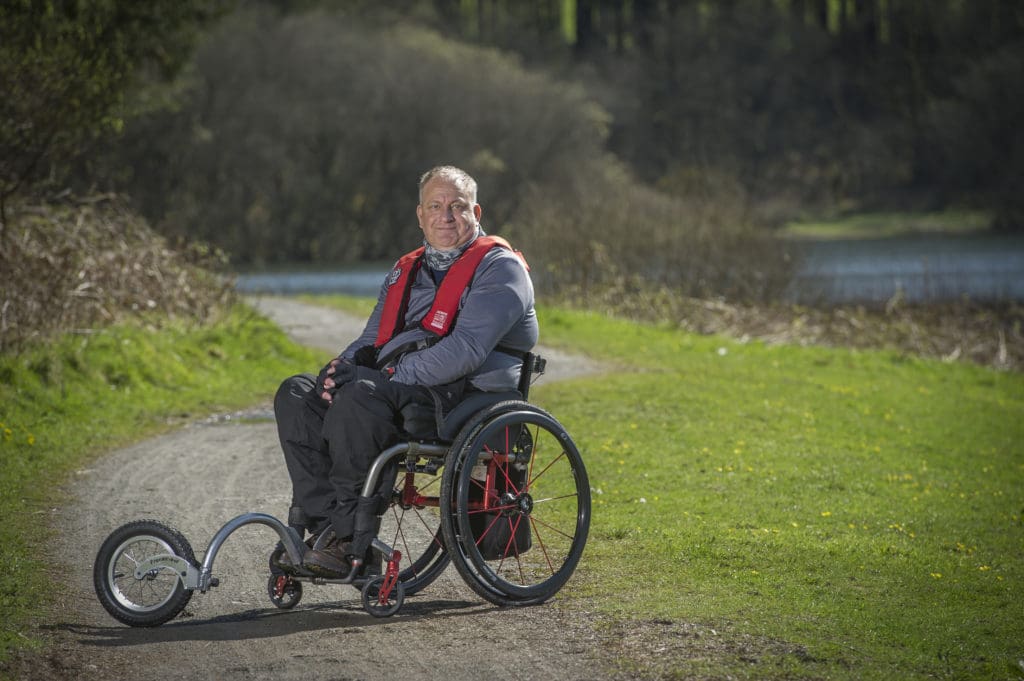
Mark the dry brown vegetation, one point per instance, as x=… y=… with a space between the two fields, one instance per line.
x=81 y=264
x=990 y=335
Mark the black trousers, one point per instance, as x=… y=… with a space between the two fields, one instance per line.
x=329 y=448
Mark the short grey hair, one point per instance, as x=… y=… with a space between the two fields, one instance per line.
x=457 y=176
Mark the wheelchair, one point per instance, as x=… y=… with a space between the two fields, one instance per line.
x=502 y=493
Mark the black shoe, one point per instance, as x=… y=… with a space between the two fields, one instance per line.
x=330 y=558
x=280 y=561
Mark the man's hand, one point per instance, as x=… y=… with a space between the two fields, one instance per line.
x=339 y=372
x=334 y=373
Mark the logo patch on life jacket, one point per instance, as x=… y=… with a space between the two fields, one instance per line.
x=437 y=322
x=394 y=276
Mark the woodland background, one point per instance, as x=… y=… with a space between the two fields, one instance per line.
x=666 y=140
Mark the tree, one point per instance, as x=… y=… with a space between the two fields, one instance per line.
x=66 y=68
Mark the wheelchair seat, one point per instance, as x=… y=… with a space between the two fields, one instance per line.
x=473 y=403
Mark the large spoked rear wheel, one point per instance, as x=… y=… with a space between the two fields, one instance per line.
x=415 y=530
x=152 y=598
x=520 y=502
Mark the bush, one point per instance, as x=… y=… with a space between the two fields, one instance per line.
x=82 y=264
x=978 y=147
x=318 y=157
x=68 y=69
x=612 y=236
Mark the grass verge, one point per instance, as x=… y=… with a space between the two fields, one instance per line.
x=64 y=403
x=859 y=513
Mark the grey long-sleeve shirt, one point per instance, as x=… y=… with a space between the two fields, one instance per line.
x=496 y=309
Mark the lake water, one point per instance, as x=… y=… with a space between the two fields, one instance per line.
x=358 y=283
x=926 y=268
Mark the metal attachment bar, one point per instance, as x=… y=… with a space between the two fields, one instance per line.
x=289 y=539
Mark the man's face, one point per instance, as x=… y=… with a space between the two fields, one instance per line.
x=448 y=217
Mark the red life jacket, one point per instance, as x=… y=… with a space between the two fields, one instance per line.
x=441 y=316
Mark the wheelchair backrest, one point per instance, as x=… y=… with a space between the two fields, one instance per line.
x=532 y=364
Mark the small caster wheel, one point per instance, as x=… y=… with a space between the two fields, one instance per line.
x=387 y=605
x=284 y=592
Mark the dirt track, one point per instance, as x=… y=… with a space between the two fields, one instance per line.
x=198 y=477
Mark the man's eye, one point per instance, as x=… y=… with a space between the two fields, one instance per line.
x=454 y=206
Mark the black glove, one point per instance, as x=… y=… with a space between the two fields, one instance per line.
x=335 y=373
x=346 y=373
x=328 y=370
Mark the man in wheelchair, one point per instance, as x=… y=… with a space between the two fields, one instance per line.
x=453 y=316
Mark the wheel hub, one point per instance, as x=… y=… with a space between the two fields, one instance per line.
x=517 y=504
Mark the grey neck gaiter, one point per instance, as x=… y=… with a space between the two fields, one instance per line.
x=441 y=260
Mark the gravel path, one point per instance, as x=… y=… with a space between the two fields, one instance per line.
x=201 y=475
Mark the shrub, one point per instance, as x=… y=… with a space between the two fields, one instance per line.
x=81 y=264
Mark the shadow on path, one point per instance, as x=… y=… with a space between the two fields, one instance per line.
x=266 y=623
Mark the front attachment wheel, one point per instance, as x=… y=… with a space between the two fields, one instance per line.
x=150 y=598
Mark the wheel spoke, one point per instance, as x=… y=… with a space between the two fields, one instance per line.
x=548 y=526
x=533 y=480
x=543 y=546
x=545 y=500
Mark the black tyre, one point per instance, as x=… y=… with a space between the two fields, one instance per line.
x=520 y=504
x=415 y=530
x=156 y=597
x=382 y=607
x=285 y=592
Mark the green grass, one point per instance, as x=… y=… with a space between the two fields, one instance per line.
x=64 y=403
x=357 y=305
x=863 y=507
x=882 y=225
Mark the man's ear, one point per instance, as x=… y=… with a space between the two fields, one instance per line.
x=477 y=211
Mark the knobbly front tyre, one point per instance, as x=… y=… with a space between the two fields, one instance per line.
x=159 y=595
